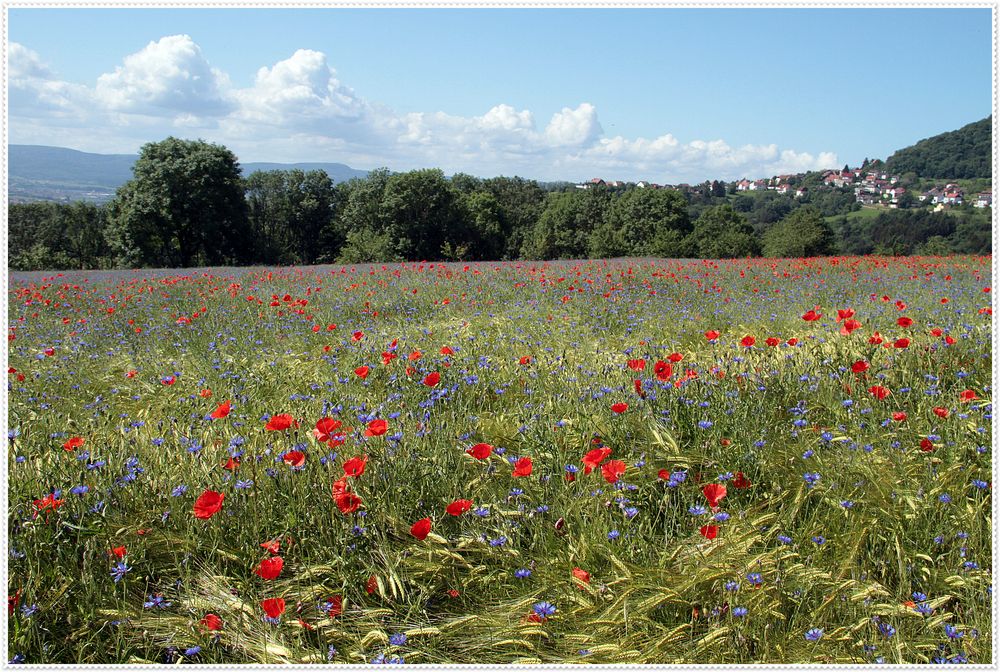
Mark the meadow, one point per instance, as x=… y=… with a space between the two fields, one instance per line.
x=628 y=461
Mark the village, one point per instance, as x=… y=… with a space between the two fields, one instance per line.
x=871 y=188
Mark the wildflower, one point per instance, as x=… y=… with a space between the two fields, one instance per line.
x=814 y=634
x=544 y=609
x=522 y=573
x=398 y=639
x=119 y=571
x=739 y=612
x=157 y=601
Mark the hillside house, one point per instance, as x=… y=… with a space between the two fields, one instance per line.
x=801 y=191
x=984 y=199
x=784 y=188
x=743 y=185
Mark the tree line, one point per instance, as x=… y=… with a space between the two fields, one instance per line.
x=189 y=205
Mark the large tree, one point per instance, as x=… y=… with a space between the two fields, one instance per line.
x=289 y=212
x=644 y=222
x=184 y=206
x=804 y=233
x=723 y=233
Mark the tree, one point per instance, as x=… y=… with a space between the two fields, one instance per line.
x=804 y=233
x=723 y=233
x=645 y=222
x=184 y=206
x=421 y=212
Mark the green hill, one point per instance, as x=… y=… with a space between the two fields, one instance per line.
x=965 y=153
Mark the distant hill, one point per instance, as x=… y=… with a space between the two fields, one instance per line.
x=963 y=154
x=40 y=173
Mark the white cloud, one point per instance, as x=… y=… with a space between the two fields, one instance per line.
x=298 y=110
x=166 y=77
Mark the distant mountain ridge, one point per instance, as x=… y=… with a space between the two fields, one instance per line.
x=43 y=173
x=963 y=154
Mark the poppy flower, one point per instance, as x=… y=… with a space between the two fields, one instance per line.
x=522 y=467
x=211 y=622
x=901 y=343
x=712 y=335
x=741 y=482
x=859 y=366
x=421 y=528
x=362 y=372
x=940 y=412
x=169 y=380
x=480 y=451
x=371 y=585
x=792 y=341
x=524 y=361
x=612 y=470
x=950 y=340
x=272 y=547
x=619 y=408
x=899 y=416
x=713 y=493
x=355 y=466
x=73 y=443
x=273 y=606
x=637 y=384
x=593 y=459
x=771 y=342
x=904 y=322
x=270 y=568
x=936 y=332
x=966 y=396
x=377 y=428
x=348 y=502
x=849 y=326
x=663 y=474
x=926 y=445
x=232 y=464
x=221 y=411
x=414 y=356
x=844 y=314
x=663 y=370
x=205 y=394
x=357 y=336
x=459 y=506
x=709 y=531
x=294 y=458
x=336 y=606
x=325 y=429
x=876 y=339
x=811 y=316
x=447 y=351
x=280 y=423
x=637 y=364
x=119 y=552
x=208 y=504
x=878 y=392
x=748 y=341
x=582 y=575
x=432 y=379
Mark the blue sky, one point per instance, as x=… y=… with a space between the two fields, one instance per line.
x=664 y=94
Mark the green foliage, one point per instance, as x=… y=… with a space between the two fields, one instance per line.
x=644 y=223
x=804 y=233
x=184 y=207
x=723 y=233
x=289 y=210
x=965 y=153
x=57 y=236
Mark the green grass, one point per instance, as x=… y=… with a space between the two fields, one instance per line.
x=658 y=589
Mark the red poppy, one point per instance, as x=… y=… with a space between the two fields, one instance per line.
x=709 y=531
x=73 y=443
x=949 y=340
x=206 y=393
x=904 y=322
x=926 y=445
x=524 y=361
x=294 y=458
x=859 y=366
x=325 y=429
x=593 y=459
x=522 y=467
x=637 y=364
x=355 y=466
x=211 y=622
x=357 y=336
x=362 y=372
x=901 y=343
x=748 y=341
x=371 y=585
x=940 y=412
x=844 y=314
x=169 y=380
x=119 y=552
x=273 y=606
x=581 y=575
x=447 y=351
x=339 y=486
x=966 y=396
x=620 y=407
x=876 y=339
x=712 y=335
x=432 y=379
x=377 y=428
x=348 y=502
x=280 y=423
x=848 y=326
x=663 y=370
x=771 y=342
x=741 y=482
x=899 y=416
x=792 y=341
x=936 y=332
x=713 y=493
x=336 y=606
x=878 y=392
x=208 y=504
x=421 y=528
x=612 y=470
x=663 y=474
x=459 y=506
x=453 y=593
x=221 y=411
x=414 y=356
x=811 y=316
x=480 y=451
x=231 y=464
x=270 y=568
x=637 y=384
x=272 y=547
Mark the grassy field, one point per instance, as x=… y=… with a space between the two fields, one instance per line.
x=624 y=461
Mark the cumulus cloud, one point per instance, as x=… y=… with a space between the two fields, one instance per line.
x=298 y=110
x=169 y=76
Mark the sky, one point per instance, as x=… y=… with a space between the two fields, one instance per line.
x=667 y=95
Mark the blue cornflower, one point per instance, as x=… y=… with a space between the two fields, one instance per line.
x=809 y=453
x=919 y=597
x=886 y=630
x=944 y=498
x=819 y=540
x=631 y=512
x=398 y=639
x=499 y=541
x=755 y=578
x=156 y=601
x=732 y=586
x=522 y=573
x=544 y=609
x=29 y=610
x=119 y=571
x=784 y=538
x=613 y=534
x=721 y=517
x=481 y=511
x=18 y=659
x=179 y=490
x=331 y=652
x=982 y=485
x=739 y=612
x=80 y=490
x=811 y=478
x=952 y=631
x=193 y=651
x=704 y=424
x=847 y=504
x=697 y=510
x=243 y=485
x=814 y=634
